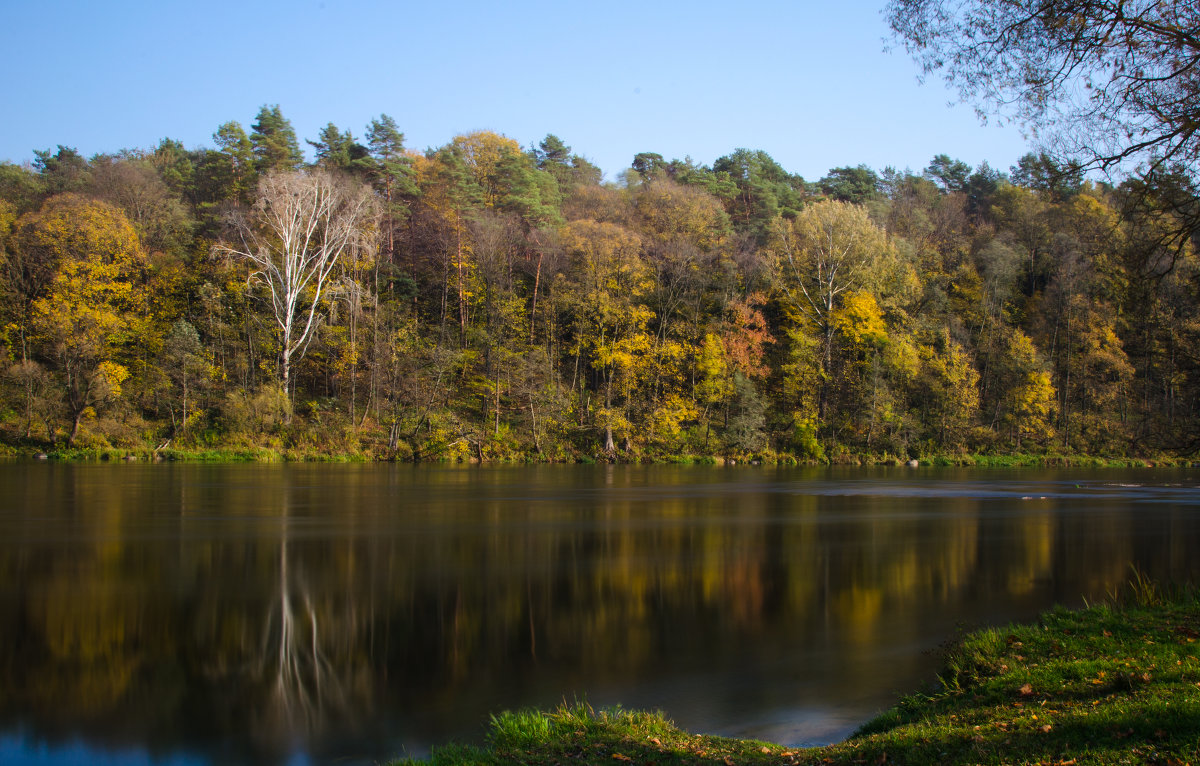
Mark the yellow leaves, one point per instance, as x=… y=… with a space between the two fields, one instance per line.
x=671 y=415
x=608 y=256
x=615 y=419
x=715 y=383
x=7 y=219
x=484 y=152
x=828 y=249
x=70 y=226
x=859 y=321
x=483 y=149
x=112 y=376
x=1095 y=223
x=96 y=254
x=623 y=352
x=1030 y=398
x=902 y=356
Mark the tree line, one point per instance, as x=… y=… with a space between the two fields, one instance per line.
x=484 y=300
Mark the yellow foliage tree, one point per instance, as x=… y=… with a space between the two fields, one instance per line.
x=828 y=250
x=610 y=320
x=951 y=389
x=1029 y=399
x=485 y=153
x=88 y=313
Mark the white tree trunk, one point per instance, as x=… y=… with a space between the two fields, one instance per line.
x=301 y=225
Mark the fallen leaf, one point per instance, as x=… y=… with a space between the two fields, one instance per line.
x=656 y=741
x=728 y=761
x=619 y=757
x=1026 y=690
x=1046 y=729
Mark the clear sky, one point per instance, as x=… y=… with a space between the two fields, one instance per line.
x=808 y=82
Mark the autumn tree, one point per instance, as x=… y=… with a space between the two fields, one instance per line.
x=829 y=249
x=610 y=326
x=948 y=389
x=302 y=225
x=84 y=316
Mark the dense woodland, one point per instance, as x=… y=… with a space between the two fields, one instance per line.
x=484 y=300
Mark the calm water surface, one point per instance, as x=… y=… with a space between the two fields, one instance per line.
x=198 y=614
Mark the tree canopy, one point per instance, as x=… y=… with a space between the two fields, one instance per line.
x=481 y=300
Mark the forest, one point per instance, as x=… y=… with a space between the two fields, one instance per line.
x=484 y=301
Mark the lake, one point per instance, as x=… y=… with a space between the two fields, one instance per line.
x=302 y=613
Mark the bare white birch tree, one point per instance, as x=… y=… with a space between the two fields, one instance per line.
x=300 y=227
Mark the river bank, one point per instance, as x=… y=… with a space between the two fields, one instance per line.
x=1113 y=683
x=310 y=454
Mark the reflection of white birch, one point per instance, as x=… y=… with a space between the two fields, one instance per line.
x=305 y=682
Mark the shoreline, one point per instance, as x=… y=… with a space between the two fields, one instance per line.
x=283 y=455
x=1112 y=683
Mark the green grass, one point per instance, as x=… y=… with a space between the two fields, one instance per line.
x=1117 y=683
x=578 y=734
x=1105 y=685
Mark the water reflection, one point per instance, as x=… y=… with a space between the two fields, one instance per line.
x=260 y=613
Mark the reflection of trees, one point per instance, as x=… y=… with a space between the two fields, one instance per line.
x=261 y=606
x=305 y=682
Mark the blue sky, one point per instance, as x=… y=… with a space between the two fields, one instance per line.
x=808 y=82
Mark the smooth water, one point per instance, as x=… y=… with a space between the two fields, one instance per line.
x=196 y=614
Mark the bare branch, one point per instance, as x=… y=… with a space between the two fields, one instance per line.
x=303 y=223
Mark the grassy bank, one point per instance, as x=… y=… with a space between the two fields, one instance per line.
x=1112 y=684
